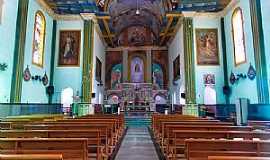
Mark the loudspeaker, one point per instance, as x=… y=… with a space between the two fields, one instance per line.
x=50 y=90
x=227 y=90
x=183 y=95
x=93 y=95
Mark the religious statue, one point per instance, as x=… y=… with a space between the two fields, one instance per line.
x=137 y=74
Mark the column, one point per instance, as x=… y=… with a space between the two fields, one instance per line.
x=259 y=51
x=189 y=61
x=19 y=51
x=225 y=64
x=87 y=73
x=149 y=66
x=52 y=57
x=125 y=65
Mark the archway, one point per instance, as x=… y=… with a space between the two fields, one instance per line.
x=210 y=95
x=67 y=99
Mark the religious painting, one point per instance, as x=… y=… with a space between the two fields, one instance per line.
x=160 y=60
x=39 y=39
x=69 y=48
x=207 y=46
x=176 y=68
x=238 y=37
x=209 y=79
x=137 y=70
x=98 y=70
x=157 y=76
x=1 y=10
x=116 y=76
x=113 y=69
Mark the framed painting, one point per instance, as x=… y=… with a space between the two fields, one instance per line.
x=209 y=79
x=176 y=68
x=98 y=70
x=69 y=48
x=207 y=47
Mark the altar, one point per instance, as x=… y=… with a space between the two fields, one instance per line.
x=137 y=97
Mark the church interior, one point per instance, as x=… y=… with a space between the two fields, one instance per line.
x=134 y=79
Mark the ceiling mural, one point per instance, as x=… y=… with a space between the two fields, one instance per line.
x=161 y=17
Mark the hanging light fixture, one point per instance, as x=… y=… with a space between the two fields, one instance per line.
x=137 y=10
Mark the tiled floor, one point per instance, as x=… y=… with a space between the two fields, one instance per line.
x=137 y=145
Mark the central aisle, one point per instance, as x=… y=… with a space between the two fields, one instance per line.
x=137 y=145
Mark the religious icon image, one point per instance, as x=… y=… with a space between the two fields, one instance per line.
x=209 y=79
x=69 y=48
x=116 y=76
x=207 y=46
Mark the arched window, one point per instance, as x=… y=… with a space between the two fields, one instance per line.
x=39 y=39
x=238 y=37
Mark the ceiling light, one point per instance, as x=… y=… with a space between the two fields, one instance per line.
x=137 y=11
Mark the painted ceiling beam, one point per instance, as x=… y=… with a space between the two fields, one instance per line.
x=107 y=29
x=167 y=29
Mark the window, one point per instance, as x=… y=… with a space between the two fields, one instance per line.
x=39 y=39
x=238 y=37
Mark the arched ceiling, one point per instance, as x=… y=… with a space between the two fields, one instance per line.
x=123 y=14
x=114 y=16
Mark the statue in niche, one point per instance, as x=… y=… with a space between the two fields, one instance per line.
x=137 y=68
x=137 y=71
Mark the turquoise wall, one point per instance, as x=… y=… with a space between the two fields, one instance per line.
x=266 y=30
x=201 y=23
x=240 y=89
x=71 y=77
x=35 y=91
x=7 y=41
x=67 y=77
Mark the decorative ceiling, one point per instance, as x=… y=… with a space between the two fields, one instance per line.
x=114 y=16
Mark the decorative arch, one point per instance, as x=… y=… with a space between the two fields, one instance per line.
x=238 y=37
x=39 y=39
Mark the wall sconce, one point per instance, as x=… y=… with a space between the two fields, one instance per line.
x=251 y=72
x=236 y=77
x=3 y=66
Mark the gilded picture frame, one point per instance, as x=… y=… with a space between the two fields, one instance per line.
x=69 y=48
x=207 y=47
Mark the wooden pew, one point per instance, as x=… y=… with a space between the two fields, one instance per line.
x=236 y=158
x=163 y=127
x=200 y=149
x=70 y=148
x=95 y=149
x=168 y=131
x=31 y=157
x=107 y=135
x=260 y=124
x=176 y=145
